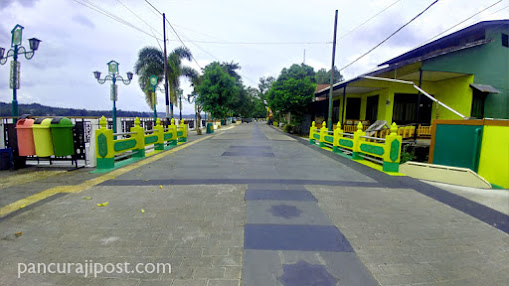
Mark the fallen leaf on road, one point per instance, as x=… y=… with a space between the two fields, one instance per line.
x=103 y=204
x=18 y=234
x=142 y=211
x=87 y=198
x=161 y=187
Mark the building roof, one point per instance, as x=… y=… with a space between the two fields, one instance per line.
x=469 y=37
x=320 y=86
x=451 y=42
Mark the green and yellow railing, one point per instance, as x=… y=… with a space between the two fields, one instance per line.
x=109 y=148
x=386 y=151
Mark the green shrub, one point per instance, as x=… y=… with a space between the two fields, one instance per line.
x=288 y=128
x=406 y=155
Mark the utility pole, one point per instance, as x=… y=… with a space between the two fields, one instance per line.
x=304 y=61
x=166 y=73
x=332 y=71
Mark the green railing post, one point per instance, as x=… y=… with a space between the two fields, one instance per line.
x=392 y=150
x=105 y=155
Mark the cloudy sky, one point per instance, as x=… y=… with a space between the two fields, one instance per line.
x=262 y=36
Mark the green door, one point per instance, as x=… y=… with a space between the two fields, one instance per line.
x=458 y=145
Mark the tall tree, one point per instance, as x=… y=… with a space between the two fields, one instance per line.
x=293 y=90
x=151 y=62
x=265 y=85
x=217 y=91
x=323 y=76
x=193 y=97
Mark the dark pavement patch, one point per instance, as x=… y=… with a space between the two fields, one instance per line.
x=279 y=195
x=295 y=237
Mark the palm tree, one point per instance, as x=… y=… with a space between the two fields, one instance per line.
x=193 y=97
x=151 y=62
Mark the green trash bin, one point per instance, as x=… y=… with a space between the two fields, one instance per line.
x=62 y=134
x=210 y=128
x=42 y=137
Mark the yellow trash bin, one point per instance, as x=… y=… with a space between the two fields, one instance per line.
x=42 y=137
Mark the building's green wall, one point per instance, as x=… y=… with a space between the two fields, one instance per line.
x=489 y=64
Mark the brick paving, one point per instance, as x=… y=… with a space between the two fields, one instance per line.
x=202 y=205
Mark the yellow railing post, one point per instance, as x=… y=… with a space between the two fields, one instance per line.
x=392 y=150
x=172 y=128
x=337 y=137
x=159 y=131
x=140 y=138
x=184 y=131
x=323 y=132
x=105 y=155
x=357 y=142
x=312 y=133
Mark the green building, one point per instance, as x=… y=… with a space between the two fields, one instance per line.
x=467 y=70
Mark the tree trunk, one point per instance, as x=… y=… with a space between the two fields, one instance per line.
x=198 y=119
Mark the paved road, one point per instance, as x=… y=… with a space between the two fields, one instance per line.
x=252 y=206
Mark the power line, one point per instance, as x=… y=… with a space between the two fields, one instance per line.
x=152 y=30
x=153 y=7
x=176 y=34
x=193 y=42
x=374 y=16
x=98 y=9
x=171 y=26
x=499 y=10
x=263 y=43
x=390 y=36
x=439 y=34
x=136 y=15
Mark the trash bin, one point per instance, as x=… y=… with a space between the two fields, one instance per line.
x=5 y=159
x=62 y=134
x=210 y=128
x=25 y=134
x=42 y=137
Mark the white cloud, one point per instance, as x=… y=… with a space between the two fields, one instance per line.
x=77 y=40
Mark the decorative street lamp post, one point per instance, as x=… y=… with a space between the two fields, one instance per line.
x=113 y=75
x=17 y=49
x=153 y=82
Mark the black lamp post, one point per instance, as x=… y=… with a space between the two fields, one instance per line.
x=17 y=49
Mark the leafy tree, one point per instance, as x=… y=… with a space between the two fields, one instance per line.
x=264 y=86
x=293 y=90
x=323 y=76
x=151 y=62
x=231 y=69
x=217 y=91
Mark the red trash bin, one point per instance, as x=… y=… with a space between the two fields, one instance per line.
x=26 y=146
